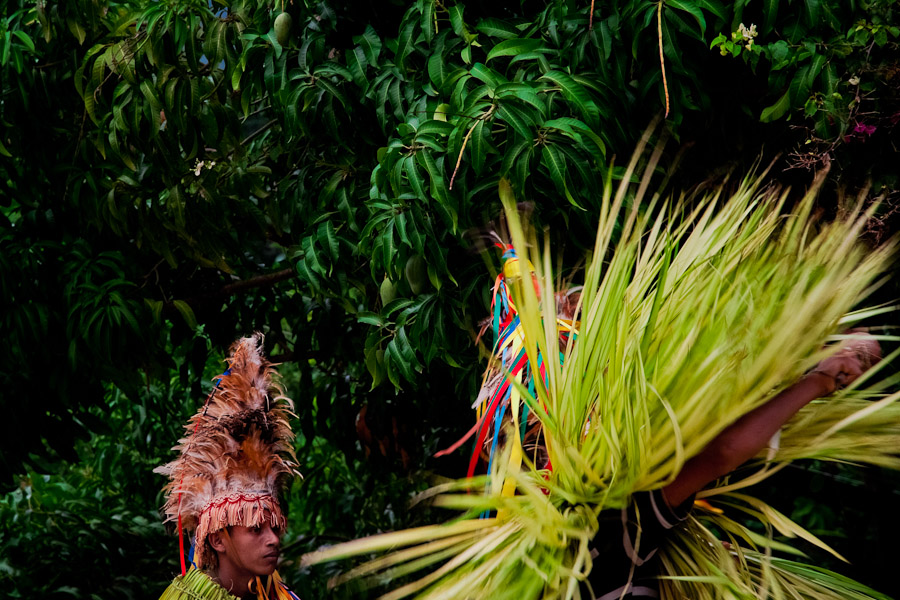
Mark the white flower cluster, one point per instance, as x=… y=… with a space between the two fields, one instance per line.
x=747 y=34
x=198 y=167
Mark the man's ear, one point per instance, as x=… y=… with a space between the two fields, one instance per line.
x=215 y=540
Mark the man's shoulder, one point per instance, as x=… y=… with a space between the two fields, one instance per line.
x=195 y=585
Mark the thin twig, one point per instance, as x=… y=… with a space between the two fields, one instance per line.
x=483 y=116
x=52 y=64
x=591 y=17
x=258 y=131
x=461 y=150
x=662 y=62
x=255 y=112
x=213 y=91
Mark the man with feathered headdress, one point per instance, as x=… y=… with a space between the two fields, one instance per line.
x=225 y=487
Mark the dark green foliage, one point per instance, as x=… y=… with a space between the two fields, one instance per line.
x=857 y=519
x=832 y=63
x=173 y=176
x=91 y=529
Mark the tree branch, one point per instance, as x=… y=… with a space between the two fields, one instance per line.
x=236 y=287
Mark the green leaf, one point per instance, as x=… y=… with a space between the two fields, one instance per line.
x=428 y=22
x=676 y=20
x=311 y=257
x=516 y=120
x=222 y=42
x=303 y=55
x=525 y=92
x=437 y=126
x=715 y=7
x=770 y=13
x=692 y=9
x=521 y=168
x=777 y=110
x=328 y=239
x=187 y=313
x=567 y=124
x=395 y=305
x=356 y=63
x=437 y=70
x=396 y=99
x=412 y=229
x=513 y=47
x=414 y=176
x=497 y=28
x=479 y=145
x=779 y=54
x=456 y=19
x=370 y=318
x=406 y=350
x=405 y=43
x=3 y=149
x=815 y=68
x=370 y=44
x=440 y=113
x=429 y=141
x=381 y=99
x=439 y=189
x=512 y=154
x=400 y=219
x=332 y=89
x=556 y=165
x=171 y=88
x=395 y=359
x=375 y=365
x=576 y=94
x=813 y=10
x=306 y=274
x=490 y=78
x=388 y=247
x=99 y=69
x=23 y=37
x=190 y=51
x=150 y=94
x=154 y=107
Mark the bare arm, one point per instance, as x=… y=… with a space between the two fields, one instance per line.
x=748 y=435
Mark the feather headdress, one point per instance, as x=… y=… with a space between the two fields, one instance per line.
x=237 y=455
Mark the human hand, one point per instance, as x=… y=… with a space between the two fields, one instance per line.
x=855 y=356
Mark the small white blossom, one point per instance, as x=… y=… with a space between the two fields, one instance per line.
x=748 y=34
x=199 y=165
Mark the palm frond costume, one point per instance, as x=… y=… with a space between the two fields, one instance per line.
x=692 y=314
x=235 y=461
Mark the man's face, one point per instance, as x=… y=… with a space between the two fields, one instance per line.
x=256 y=548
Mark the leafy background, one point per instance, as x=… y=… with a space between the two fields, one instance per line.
x=174 y=177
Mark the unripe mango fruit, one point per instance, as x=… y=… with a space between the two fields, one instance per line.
x=388 y=291
x=283 y=23
x=416 y=272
